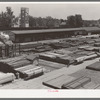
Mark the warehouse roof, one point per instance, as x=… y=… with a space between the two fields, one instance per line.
x=91 y=29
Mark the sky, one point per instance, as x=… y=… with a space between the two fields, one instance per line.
x=89 y=11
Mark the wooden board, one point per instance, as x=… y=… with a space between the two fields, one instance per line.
x=25 y=68
x=94 y=75
x=94 y=66
x=91 y=85
x=77 y=83
x=51 y=64
x=58 y=81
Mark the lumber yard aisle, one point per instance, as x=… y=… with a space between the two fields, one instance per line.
x=37 y=82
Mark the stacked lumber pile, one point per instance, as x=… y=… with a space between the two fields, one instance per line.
x=59 y=58
x=79 y=60
x=82 y=56
x=83 y=47
x=65 y=60
x=89 y=57
x=94 y=66
x=6 y=77
x=89 y=49
x=97 y=44
x=68 y=57
x=30 y=71
x=46 y=56
x=77 y=83
x=58 y=81
x=65 y=45
x=63 y=52
x=22 y=65
x=84 y=53
x=67 y=82
x=90 y=42
x=56 y=45
x=42 y=48
x=97 y=49
x=8 y=65
x=97 y=40
x=30 y=45
x=50 y=66
x=36 y=47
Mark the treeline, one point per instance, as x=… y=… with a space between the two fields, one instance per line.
x=8 y=20
x=47 y=22
x=74 y=21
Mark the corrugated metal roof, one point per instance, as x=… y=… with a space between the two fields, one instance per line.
x=56 y=30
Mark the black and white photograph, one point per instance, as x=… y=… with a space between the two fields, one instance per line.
x=50 y=46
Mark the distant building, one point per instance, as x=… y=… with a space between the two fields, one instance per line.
x=24 y=21
x=23 y=36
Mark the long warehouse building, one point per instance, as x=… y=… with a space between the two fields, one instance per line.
x=47 y=34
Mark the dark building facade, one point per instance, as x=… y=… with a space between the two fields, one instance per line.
x=47 y=34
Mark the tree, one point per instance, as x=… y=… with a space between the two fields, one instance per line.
x=75 y=21
x=71 y=21
x=49 y=22
x=79 y=21
x=10 y=17
x=32 y=21
x=7 y=18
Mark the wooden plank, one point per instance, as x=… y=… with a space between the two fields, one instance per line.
x=25 y=68
x=51 y=64
x=94 y=66
x=68 y=84
x=58 y=81
x=91 y=85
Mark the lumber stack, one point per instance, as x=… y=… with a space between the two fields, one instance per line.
x=58 y=81
x=89 y=49
x=83 y=47
x=79 y=60
x=29 y=45
x=67 y=82
x=48 y=57
x=51 y=65
x=94 y=66
x=8 y=65
x=97 y=44
x=6 y=77
x=29 y=71
x=65 y=60
x=77 y=83
x=42 y=48
x=55 y=57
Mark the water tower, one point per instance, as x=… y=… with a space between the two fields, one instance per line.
x=24 y=21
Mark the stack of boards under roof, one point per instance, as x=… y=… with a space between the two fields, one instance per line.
x=30 y=71
x=23 y=65
x=8 y=65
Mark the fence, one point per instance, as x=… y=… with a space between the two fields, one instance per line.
x=9 y=50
